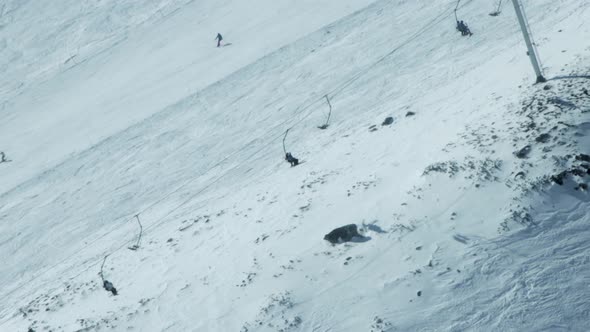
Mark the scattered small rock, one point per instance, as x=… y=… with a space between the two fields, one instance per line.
x=524 y=152
x=547 y=87
x=543 y=138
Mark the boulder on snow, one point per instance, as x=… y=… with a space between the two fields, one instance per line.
x=410 y=113
x=388 y=120
x=342 y=234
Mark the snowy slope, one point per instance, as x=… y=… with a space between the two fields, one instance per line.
x=460 y=234
x=88 y=69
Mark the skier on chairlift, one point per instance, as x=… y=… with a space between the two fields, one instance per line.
x=292 y=160
x=463 y=28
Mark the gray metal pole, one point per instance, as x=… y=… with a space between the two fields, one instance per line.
x=531 y=50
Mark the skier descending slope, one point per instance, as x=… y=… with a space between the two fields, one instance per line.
x=219 y=38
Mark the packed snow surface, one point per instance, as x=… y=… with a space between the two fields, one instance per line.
x=467 y=183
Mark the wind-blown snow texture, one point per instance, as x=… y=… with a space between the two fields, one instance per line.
x=113 y=108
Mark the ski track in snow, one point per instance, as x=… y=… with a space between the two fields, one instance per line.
x=114 y=109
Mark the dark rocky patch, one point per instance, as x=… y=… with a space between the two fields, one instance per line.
x=543 y=138
x=580 y=170
x=558 y=178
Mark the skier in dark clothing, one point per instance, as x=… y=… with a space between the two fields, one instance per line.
x=292 y=160
x=219 y=38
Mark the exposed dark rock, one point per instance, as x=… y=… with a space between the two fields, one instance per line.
x=524 y=152
x=410 y=114
x=582 y=187
x=560 y=102
x=579 y=172
x=547 y=87
x=543 y=138
x=583 y=157
x=342 y=234
x=388 y=120
x=559 y=178
x=419 y=293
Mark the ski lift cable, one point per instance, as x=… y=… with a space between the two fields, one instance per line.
x=497 y=8
x=423 y=30
x=284 y=138
x=308 y=105
x=161 y=220
x=299 y=110
x=330 y=111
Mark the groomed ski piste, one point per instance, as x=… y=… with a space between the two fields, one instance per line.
x=472 y=204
